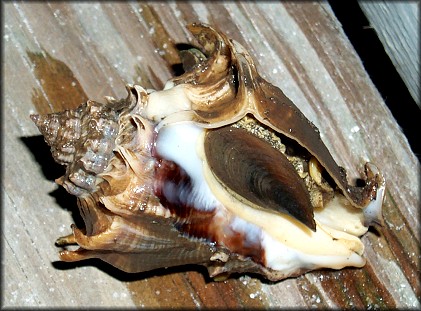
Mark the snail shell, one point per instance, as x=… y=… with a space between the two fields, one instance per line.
x=218 y=169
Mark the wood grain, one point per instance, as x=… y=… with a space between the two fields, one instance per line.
x=58 y=54
x=398 y=27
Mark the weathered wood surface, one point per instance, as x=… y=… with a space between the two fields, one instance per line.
x=398 y=27
x=58 y=54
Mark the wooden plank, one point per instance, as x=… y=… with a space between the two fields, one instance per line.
x=398 y=27
x=58 y=54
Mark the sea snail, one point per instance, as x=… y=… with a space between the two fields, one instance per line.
x=218 y=169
